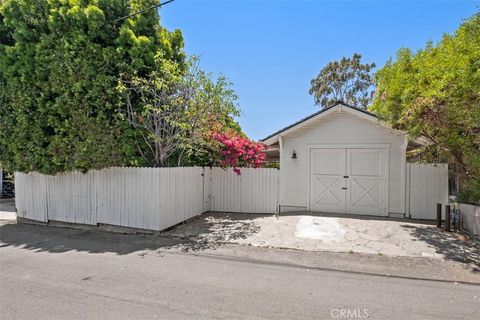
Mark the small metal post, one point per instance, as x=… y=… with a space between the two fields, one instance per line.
x=447 y=218
x=439 y=215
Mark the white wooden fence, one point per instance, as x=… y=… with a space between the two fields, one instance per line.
x=158 y=198
x=145 y=198
x=470 y=217
x=427 y=185
x=255 y=190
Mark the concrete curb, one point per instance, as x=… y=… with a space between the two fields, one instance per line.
x=293 y=265
x=100 y=226
x=416 y=268
x=80 y=226
x=30 y=221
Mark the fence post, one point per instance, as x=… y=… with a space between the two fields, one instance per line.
x=439 y=215
x=447 y=218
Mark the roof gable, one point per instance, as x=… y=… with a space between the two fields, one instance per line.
x=337 y=107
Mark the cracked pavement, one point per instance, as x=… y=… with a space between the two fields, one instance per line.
x=388 y=237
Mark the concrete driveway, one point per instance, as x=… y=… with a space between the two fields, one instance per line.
x=309 y=232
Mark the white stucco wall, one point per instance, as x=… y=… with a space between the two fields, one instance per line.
x=339 y=128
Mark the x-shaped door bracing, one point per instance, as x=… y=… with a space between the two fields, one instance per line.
x=328 y=189
x=365 y=191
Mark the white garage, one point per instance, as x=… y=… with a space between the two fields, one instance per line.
x=342 y=160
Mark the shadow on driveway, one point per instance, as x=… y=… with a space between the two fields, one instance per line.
x=201 y=233
x=213 y=229
x=453 y=246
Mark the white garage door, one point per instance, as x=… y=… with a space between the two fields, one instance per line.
x=349 y=180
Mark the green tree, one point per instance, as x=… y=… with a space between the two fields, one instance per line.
x=60 y=63
x=175 y=110
x=435 y=93
x=347 y=80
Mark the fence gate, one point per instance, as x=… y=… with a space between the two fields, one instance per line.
x=253 y=191
x=427 y=185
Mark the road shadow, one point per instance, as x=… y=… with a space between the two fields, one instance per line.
x=204 y=232
x=60 y=240
x=452 y=245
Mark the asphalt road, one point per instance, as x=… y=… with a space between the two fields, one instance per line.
x=44 y=280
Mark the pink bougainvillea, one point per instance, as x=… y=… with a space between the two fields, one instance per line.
x=238 y=151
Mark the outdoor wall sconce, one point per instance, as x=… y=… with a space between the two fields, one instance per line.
x=294 y=155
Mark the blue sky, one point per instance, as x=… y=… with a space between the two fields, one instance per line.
x=271 y=50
